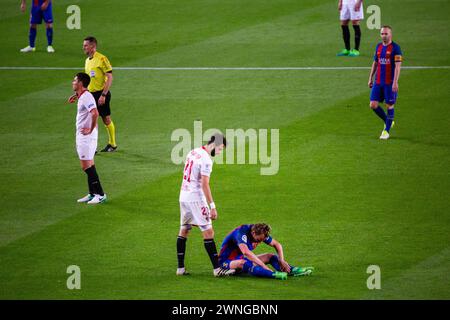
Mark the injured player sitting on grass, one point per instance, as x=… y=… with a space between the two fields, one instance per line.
x=236 y=253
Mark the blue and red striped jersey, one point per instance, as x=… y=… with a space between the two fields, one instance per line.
x=38 y=3
x=242 y=234
x=386 y=56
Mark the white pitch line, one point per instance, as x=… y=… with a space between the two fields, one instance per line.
x=223 y=68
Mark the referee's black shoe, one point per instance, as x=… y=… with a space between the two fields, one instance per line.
x=109 y=148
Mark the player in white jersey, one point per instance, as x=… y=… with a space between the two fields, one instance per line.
x=350 y=10
x=86 y=137
x=197 y=207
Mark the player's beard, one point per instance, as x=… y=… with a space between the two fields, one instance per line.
x=213 y=152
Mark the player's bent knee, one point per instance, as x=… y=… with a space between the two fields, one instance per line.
x=373 y=104
x=355 y=22
x=237 y=264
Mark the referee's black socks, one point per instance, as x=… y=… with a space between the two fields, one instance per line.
x=210 y=247
x=95 y=186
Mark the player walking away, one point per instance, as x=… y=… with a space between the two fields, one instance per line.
x=99 y=68
x=86 y=137
x=386 y=66
x=236 y=254
x=350 y=10
x=40 y=10
x=195 y=195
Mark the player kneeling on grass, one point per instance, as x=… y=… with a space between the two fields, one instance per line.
x=236 y=253
x=86 y=137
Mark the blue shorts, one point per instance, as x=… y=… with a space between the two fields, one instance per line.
x=383 y=92
x=37 y=15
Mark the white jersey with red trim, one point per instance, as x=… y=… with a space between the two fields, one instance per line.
x=198 y=164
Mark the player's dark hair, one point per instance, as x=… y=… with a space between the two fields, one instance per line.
x=387 y=27
x=84 y=78
x=91 y=39
x=217 y=138
x=262 y=228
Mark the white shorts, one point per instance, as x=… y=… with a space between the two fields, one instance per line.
x=348 y=11
x=195 y=214
x=86 y=146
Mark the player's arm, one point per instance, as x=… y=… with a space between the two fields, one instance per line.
x=372 y=73
x=72 y=98
x=207 y=192
x=398 y=65
x=279 y=248
x=94 y=113
x=340 y=5
x=23 y=5
x=251 y=256
x=108 y=83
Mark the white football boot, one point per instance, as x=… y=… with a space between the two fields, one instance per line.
x=384 y=135
x=50 y=49
x=182 y=272
x=97 y=199
x=87 y=198
x=28 y=49
x=220 y=272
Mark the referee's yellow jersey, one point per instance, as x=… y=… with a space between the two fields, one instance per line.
x=97 y=67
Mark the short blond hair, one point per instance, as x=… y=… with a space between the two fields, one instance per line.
x=261 y=228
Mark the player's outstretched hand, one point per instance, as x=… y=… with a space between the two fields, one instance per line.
x=72 y=98
x=213 y=214
x=370 y=84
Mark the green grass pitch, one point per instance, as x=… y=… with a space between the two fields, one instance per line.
x=341 y=201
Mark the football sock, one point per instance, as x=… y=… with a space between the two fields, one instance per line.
x=49 y=36
x=181 y=250
x=346 y=35
x=380 y=112
x=357 y=36
x=94 y=181
x=275 y=263
x=390 y=118
x=32 y=36
x=91 y=189
x=210 y=247
x=111 y=129
x=256 y=270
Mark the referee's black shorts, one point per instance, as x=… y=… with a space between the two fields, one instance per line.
x=105 y=109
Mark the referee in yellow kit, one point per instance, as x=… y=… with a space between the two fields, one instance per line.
x=99 y=68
